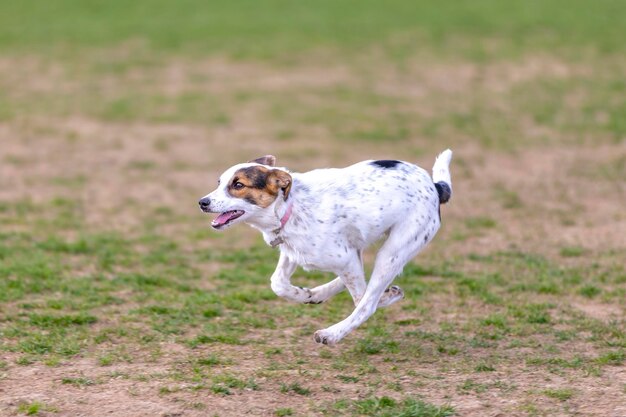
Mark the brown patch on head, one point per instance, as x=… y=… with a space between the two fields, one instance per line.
x=258 y=185
x=269 y=160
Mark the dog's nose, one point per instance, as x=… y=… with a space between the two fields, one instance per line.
x=204 y=203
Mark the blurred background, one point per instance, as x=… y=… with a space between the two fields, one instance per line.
x=121 y=105
x=116 y=116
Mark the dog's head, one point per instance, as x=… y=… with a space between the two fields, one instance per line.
x=245 y=190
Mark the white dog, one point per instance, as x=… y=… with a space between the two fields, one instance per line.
x=324 y=219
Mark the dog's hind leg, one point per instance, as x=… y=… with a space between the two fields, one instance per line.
x=391 y=295
x=399 y=248
x=353 y=277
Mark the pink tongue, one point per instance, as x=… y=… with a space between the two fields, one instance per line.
x=223 y=218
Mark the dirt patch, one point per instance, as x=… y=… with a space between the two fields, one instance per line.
x=599 y=311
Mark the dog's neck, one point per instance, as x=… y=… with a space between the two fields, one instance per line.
x=273 y=219
x=285 y=220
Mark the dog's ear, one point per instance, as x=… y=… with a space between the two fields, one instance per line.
x=268 y=160
x=279 y=180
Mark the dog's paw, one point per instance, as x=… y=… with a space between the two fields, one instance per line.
x=307 y=296
x=391 y=295
x=325 y=337
x=395 y=291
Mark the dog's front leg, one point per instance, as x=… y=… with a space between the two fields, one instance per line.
x=281 y=285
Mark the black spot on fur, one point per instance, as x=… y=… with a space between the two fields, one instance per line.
x=444 y=192
x=386 y=163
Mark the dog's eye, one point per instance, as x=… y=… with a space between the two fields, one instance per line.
x=238 y=186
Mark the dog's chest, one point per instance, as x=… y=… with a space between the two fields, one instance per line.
x=310 y=258
x=322 y=249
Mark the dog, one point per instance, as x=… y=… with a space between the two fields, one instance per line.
x=324 y=219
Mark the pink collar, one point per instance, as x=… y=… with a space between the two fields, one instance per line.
x=286 y=216
x=278 y=239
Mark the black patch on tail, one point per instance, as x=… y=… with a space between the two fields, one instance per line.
x=386 y=163
x=444 y=191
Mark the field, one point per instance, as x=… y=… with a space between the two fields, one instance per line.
x=117 y=298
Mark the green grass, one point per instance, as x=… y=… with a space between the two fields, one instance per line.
x=279 y=27
x=34 y=408
x=572 y=251
x=562 y=394
x=296 y=388
x=78 y=381
x=281 y=412
x=387 y=407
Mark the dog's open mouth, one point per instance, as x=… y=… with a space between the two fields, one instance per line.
x=226 y=217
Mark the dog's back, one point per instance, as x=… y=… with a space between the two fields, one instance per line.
x=371 y=196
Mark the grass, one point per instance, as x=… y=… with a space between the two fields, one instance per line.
x=560 y=394
x=386 y=406
x=113 y=116
x=295 y=388
x=34 y=408
x=246 y=29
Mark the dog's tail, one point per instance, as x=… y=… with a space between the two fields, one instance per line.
x=441 y=176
